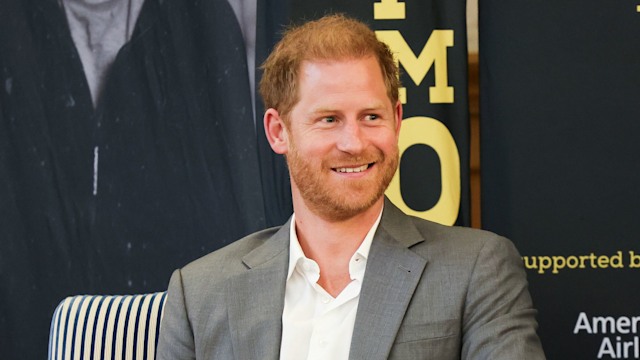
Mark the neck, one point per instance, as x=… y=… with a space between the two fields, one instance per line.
x=332 y=243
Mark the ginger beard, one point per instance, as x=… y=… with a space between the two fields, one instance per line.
x=335 y=198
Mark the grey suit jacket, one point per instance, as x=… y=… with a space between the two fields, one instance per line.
x=429 y=292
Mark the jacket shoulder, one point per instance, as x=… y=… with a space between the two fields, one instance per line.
x=458 y=240
x=228 y=260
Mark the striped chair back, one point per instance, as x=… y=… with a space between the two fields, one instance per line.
x=98 y=327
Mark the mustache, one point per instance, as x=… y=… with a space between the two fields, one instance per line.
x=344 y=159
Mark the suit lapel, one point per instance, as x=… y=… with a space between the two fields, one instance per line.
x=256 y=297
x=256 y=300
x=392 y=274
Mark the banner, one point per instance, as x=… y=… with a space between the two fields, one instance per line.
x=559 y=114
x=169 y=162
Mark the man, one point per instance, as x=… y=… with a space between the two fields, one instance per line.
x=350 y=275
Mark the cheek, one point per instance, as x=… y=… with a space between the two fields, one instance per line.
x=387 y=142
x=314 y=145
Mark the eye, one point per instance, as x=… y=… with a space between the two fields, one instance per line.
x=328 y=119
x=371 y=117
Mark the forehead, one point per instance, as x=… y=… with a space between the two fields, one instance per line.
x=340 y=76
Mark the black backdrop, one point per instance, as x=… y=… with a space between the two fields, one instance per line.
x=168 y=166
x=560 y=111
x=178 y=175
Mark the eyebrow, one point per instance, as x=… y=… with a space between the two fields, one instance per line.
x=325 y=110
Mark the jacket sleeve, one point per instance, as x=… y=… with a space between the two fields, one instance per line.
x=176 y=335
x=499 y=318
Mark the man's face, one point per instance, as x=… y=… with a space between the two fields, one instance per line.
x=342 y=137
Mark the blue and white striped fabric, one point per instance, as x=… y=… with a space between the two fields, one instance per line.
x=97 y=327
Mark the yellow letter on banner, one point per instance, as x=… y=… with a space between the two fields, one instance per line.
x=388 y=9
x=433 y=54
x=431 y=132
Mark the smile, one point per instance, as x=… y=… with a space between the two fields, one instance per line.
x=352 y=169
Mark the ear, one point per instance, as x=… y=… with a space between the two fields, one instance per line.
x=398 y=113
x=276 y=131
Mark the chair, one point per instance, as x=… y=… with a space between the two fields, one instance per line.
x=99 y=327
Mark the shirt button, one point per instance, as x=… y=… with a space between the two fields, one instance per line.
x=324 y=343
x=326 y=300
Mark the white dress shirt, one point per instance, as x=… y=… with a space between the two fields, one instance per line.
x=315 y=325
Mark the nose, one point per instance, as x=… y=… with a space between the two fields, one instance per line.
x=351 y=138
